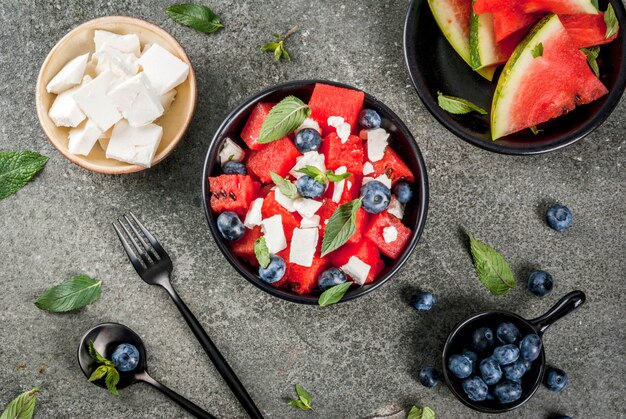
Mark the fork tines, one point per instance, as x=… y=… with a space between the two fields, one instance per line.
x=141 y=253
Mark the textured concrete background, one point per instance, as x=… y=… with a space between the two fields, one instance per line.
x=358 y=359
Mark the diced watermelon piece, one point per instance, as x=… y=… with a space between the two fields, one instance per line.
x=231 y=193
x=392 y=165
x=271 y=207
x=535 y=6
x=361 y=220
x=586 y=30
x=350 y=154
x=325 y=212
x=252 y=130
x=327 y=101
x=303 y=280
x=278 y=157
x=510 y=21
x=364 y=250
x=374 y=232
x=244 y=247
x=283 y=283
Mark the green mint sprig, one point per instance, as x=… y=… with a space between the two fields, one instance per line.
x=17 y=168
x=538 y=50
x=341 y=226
x=22 y=407
x=278 y=45
x=612 y=25
x=421 y=413
x=334 y=294
x=262 y=252
x=491 y=267
x=284 y=186
x=71 y=295
x=321 y=177
x=195 y=16
x=106 y=370
x=283 y=119
x=304 y=400
x=592 y=55
x=457 y=106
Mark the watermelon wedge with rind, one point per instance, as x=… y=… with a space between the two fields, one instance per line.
x=534 y=6
x=587 y=30
x=533 y=90
x=510 y=21
x=484 y=50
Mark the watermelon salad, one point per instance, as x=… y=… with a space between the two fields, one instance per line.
x=321 y=206
x=548 y=48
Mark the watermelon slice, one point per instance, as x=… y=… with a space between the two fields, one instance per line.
x=587 y=30
x=252 y=130
x=375 y=232
x=392 y=165
x=533 y=90
x=349 y=154
x=244 y=247
x=278 y=157
x=271 y=207
x=303 y=280
x=327 y=101
x=364 y=250
x=534 y=6
x=484 y=50
x=231 y=193
x=510 y=21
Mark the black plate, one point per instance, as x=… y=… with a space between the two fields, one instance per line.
x=435 y=66
x=401 y=140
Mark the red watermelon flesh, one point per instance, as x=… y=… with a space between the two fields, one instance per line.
x=510 y=21
x=350 y=155
x=251 y=131
x=244 y=247
x=535 y=6
x=303 y=280
x=374 y=232
x=271 y=207
x=361 y=220
x=231 y=193
x=586 y=30
x=325 y=212
x=278 y=157
x=392 y=165
x=364 y=250
x=283 y=283
x=327 y=101
x=351 y=189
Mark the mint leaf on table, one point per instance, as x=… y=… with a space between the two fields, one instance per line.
x=612 y=25
x=73 y=294
x=592 y=55
x=304 y=400
x=262 y=252
x=538 y=50
x=283 y=119
x=17 y=168
x=491 y=267
x=284 y=186
x=278 y=46
x=22 y=407
x=195 y=16
x=106 y=370
x=341 y=226
x=457 y=106
x=421 y=413
x=334 y=294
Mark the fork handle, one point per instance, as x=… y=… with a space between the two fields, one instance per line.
x=214 y=354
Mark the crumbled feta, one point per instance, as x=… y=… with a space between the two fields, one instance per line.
x=382 y=179
x=377 y=144
x=395 y=208
x=338 y=190
x=70 y=75
x=121 y=64
x=348 y=184
x=274 y=233
x=357 y=270
x=303 y=246
x=310 y=222
x=137 y=101
x=309 y=123
x=167 y=99
x=368 y=168
x=231 y=151
x=307 y=207
x=285 y=202
x=310 y=158
x=128 y=44
x=64 y=111
x=390 y=234
x=83 y=138
x=135 y=145
x=164 y=70
x=254 y=217
x=93 y=101
x=342 y=127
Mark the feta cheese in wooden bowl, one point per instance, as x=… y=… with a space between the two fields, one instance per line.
x=116 y=95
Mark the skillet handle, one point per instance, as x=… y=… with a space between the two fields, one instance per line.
x=566 y=305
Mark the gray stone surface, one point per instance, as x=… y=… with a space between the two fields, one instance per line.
x=358 y=359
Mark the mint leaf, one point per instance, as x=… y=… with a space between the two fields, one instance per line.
x=592 y=55
x=334 y=295
x=336 y=178
x=95 y=355
x=298 y=404
x=22 y=407
x=111 y=380
x=341 y=226
x=278 y=46
x=304 y=395
x=262 y=252
x=314 y=173
x=71 y=295
x=195 y=16
x=491 y=267
x=534 y=130
x=284 y=118
x=457 y=106
x=538 y=50
x=612 y=25
x=106 y=370
x=284 y=186
x=100 y=372
x=418 y=413
x=17 y=168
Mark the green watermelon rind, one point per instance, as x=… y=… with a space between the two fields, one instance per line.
x=483 y=47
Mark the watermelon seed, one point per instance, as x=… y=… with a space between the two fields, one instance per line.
x=223 y=193
x=389 y=172
x=578 y=100
x=232 y=196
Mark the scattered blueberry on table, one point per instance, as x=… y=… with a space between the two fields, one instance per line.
x=308 y=139
x=369 y=119
x=423 y=301
x=125 y=357
x=234 y=168
x=309 y=187
x=331 y=277
x=429 y=377
x=230 y=226
x=559 y=217
x=376 y=197
x=274 y=271
x=556 y=379
x=540 y=283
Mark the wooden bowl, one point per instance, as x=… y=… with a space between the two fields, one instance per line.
x=80 y=41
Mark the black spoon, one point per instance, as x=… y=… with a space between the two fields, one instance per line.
x=106 y=337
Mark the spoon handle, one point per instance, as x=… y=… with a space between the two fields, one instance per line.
x=182 y=402
x=214 y=354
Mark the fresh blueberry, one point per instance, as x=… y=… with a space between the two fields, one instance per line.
x=403 y=192
x=308 y=140
x=540 y=283
x=506 y=354
x=508 y=333
x=559 y=217
x=475 y=388
x=429 y=377
x=507 y=391
x=125 y=357
x=530 y=347
x=490 y=371
x=234 y=168
x=376 y=197
x=556 y=379
x=230 y=226
x=274 y=271
x=369 y=118
x=482 y=339
x=490 y=396
x=460 y=366
x=472 y=356
x=423 y=301
x=331 y=277
x=515 y=371
x=309 y=187
x=527 y=364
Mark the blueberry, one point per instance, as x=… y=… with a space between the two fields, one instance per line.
x=556 y=379
x=515 y=371
x=507 y=391
x=331 y=277
x=527 y=364
x=559 y=217
x=530 y=347
x=403 y=192
x=369 y=118
x=472 y=356
x=423 y=301
x=482 y=339
x=309 y=187
x=308 y=140
x=490 y=371
x=376 y=197
x=475 y=388
x=230 y=226
x=125 y=357
x=508 y=333
x=506 y=354
x=460 y=366
x=429 y=377
x=234 y=168
x=274 y=271
x=540 y=283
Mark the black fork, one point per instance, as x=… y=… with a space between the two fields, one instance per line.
x=154 y=266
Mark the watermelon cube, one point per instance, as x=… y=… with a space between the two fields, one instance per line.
x=327 y=101
x=303 y=280
x=271 y=207
x=325 y=212
x=283 y=283
x=361 y=220
x=375 y=232
x=392 y=165
x=252 y=130
x=231 y=193
x=278 y=157
x=350 y=155
x=366 y=251
x=244 y=247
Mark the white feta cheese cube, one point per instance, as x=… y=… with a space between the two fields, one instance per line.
x=83 y=138
x=167 y=99
x=357 y=270
x=348 y=184
x=231 y=151
x=64 y=111
x=135 y=145
x=164 y=70
x=254 y=217
x=395 y=208
x=390 y=234
x=121 y=64
x=92 y=99
x=311 y=124
x=274 y=234
x=342 y=127
x=128 y=44
x=384 y=179
x=310 y=222
x=137 y=101
x=303 y=246
x=377 y=141
x=286 y=203
x=368 y=168
x=339 y=186
x=310 y=158
x=307 y=207
x=70 y=75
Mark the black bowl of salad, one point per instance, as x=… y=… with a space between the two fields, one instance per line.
x=517 y=77
x=315 y=192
